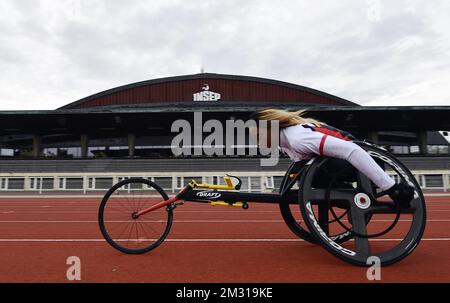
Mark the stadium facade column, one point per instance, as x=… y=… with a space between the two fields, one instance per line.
x=422 y=136
x=37 y=145
x=55 y=182
x=131 y=144
x=373 y=136
x=446 y=182
x=26 y=183
x=84 y=142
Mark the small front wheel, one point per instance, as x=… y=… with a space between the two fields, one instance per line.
x=118 y=223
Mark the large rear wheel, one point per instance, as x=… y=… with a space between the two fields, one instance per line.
x=393 y=232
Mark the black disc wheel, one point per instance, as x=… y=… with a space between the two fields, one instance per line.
x=120 y=226
x=294 y=223
x=293 y=218
x=291 y=213
x=380 y=227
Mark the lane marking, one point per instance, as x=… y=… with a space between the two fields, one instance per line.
x=18 y=212
x=192 y=221
x=198 y=240
x=97 y=206
x=91 y=196
x=49 y=196
x=72 y=196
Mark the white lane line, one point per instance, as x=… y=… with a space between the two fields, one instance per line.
x=193 y=211
x=190 y=221
x=196 y=240
x=57 y=207
x=150 y=221
x=203 y=205
x=90 y=196
x=69 y=196
x=49 y=197
x=177 y=212
x=182 y=210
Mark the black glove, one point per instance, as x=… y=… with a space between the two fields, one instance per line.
x=402 y=193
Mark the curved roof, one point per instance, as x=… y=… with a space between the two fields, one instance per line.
x=232 y=88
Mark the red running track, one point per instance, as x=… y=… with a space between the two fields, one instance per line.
x=206 y=244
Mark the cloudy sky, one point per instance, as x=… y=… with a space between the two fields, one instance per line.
x=368 y=51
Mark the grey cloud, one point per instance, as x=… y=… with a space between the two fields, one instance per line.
x=60 y=51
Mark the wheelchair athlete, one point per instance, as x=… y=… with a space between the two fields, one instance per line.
x=301 y=137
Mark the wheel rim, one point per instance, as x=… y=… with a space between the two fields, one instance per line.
x=290 y=218
x=127 y=232
x=292 y=215
x=361 y=250
x=293 y=218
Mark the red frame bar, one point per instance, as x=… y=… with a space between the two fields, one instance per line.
x=156 y=206
x=162 y=203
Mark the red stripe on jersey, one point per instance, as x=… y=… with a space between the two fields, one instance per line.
x=322 y=143
x=332 y=133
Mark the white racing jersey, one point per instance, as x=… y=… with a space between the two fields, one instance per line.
x=302 y=141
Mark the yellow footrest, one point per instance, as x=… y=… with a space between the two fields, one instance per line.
x=222 y=203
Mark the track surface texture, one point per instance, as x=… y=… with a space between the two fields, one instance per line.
x=206 y=244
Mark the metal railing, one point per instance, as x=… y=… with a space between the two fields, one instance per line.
x=253 y=181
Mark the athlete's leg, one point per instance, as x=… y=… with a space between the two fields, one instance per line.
x=305 y=141
x=362 y=161
x=359 y=158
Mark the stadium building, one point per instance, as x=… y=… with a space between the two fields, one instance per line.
x=89 y=144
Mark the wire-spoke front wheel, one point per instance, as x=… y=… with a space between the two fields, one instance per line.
x=122 y=229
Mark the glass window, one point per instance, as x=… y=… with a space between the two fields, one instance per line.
x=16 y=183
x=434 y=181
x=255 y=184
x=35 y=183
x=277 y=181
x=179 y=182
x=91 y=183
x=245 y=184
x=122 y=178
x=70 y=152
x=47 y=183
x=269 y=183
x=414 y=149
x=103 y=182
x=3 y=183
x=50 y=152
x=399 y=149
x=136 y=186
x=62 y=183
x=164 y=182
x=74 y=183
x=215 y=180
x=6 y=152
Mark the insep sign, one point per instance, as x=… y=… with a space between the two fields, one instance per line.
x=206 y=95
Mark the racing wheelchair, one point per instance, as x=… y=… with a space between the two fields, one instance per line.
x=335 y=206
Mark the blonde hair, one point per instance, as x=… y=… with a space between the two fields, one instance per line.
x=285 y=118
